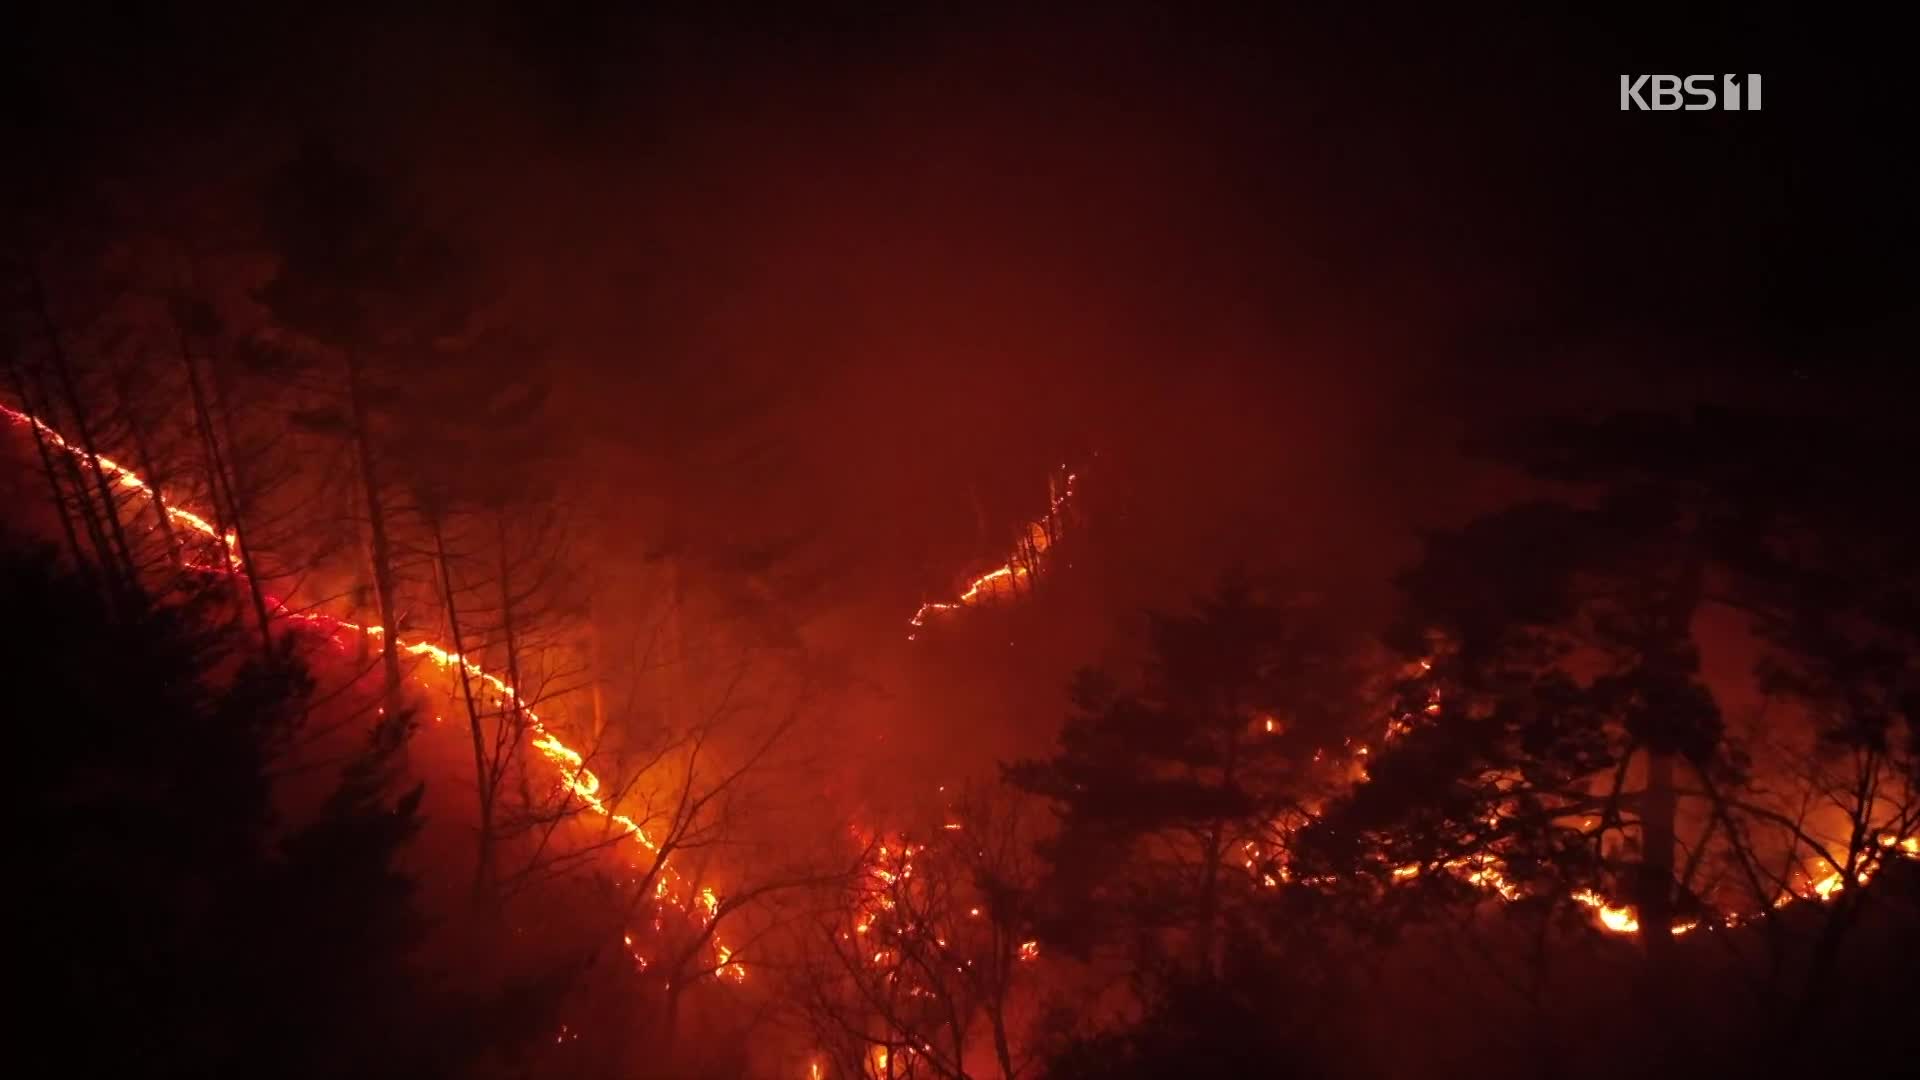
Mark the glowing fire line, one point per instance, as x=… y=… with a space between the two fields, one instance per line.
x=575 y=777
x=585 y=785
x=1040 y=536
x=1481 y=872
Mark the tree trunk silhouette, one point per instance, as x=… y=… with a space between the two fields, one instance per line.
x=377 y=529
x=227 y=515
x=483 y=771
x=119 y=557
x=1658 y=809
x=143 y=453
x=81 y=561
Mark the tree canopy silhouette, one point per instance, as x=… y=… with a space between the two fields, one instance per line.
x=182 y=924
x=1207 y=759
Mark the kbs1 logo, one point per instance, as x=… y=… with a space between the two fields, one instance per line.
x=1694 y=93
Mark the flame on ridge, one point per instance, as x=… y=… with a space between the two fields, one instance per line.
x=575 y=777
x=1038 y=540
x=584 y=784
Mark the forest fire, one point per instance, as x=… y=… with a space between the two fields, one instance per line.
x=129 y=480
x=1400 y=543
x=574 y=775
x=1035 y=544
x=892 y=865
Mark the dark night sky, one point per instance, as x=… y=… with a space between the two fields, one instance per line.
x=1275 y=266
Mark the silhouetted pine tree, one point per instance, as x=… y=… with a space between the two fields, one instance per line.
x=1169 y=792
x=179 y=926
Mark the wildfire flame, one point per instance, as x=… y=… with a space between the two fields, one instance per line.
x=1039 y=537
x=1484 y=873
x=575 y=777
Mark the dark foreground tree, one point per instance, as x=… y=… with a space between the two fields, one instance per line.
x=180 y=926
x=1562 y=737
x=1174 y=795
x=1197 y=1028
